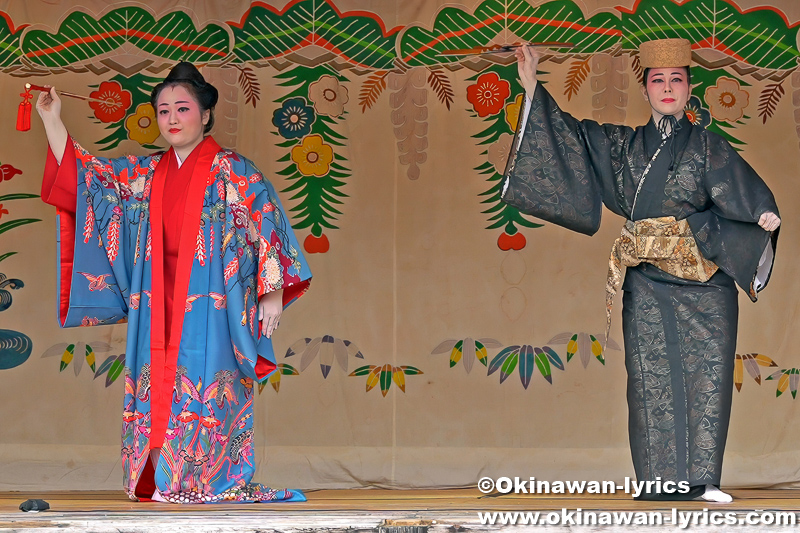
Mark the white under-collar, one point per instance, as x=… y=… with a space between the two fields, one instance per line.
x=178 y=159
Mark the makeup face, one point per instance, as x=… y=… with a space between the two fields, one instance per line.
x=180 y=120
x=667 y=91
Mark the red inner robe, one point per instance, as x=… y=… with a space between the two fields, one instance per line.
x=171 y=186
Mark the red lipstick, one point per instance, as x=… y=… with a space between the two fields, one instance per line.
x=174 y=130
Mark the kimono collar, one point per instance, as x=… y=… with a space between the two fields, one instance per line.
x=653 y=138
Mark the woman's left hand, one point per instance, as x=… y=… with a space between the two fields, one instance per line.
x=270 y=307
x=769 y=221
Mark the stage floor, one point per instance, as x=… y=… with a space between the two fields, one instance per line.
x=408 y=511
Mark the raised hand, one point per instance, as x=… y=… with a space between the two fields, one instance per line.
x=48 y=105
x=527 y=62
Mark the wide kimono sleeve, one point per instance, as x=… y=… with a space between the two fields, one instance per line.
x=265 y=258
x=728 y=233
x=561 y=169
x=96 y=233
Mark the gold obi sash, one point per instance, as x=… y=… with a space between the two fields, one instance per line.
x=663 y=242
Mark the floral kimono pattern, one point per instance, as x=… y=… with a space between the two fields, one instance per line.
x=236 y=244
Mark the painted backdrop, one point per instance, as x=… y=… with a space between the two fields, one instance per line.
x=445 y=336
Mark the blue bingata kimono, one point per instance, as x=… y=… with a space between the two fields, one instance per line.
x=236 y=244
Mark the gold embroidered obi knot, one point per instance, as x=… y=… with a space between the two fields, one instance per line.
x=664 y=242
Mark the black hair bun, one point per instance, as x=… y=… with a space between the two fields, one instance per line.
x=185 y=72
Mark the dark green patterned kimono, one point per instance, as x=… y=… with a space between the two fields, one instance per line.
x=680 y=335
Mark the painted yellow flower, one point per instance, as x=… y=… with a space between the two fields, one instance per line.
x=513 y=110
x=726 y=100
x=142 y=126
x=328 y=96
x=313 y=157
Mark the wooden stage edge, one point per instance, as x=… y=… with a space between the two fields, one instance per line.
x=342 y=510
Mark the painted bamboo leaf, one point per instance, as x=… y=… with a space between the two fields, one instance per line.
x=500 y=358
x=287 y=370
x=105 y=366
x=298 y=347
x=81 y=38
x=386 y=378
x=507 y=20
x=66 y=357
x=526 y=364
x=750 y=364
x=553 y=357
x=794 y=379
x=7 y=255
x=362 y=370
x=352 y=349
x=543 y=365
x=469 y=348
x=90 y=358
x=374 y=377
x=340 y=352
x=444 y=346
x=310 y=353
x=763 y=360
x=759 y=37
x=399 y=377
x=509 y=365
x=738 y=372
x=17 y=196
x=480 y=352
x=597 y=349
x=11 y=224
x=116 y=369
x=411 y=370
x=326 y=355
x=572 y=347
x=359 y=39
x=585 y=348
x=456 y=354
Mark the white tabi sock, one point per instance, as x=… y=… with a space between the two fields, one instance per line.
x=713 y=494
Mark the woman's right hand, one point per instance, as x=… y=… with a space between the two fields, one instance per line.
x=48 y=105
x=527 y=62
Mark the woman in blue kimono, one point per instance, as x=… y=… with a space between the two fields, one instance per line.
x=192 y=248
x=699 y=221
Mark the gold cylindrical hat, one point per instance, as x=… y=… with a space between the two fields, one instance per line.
x=664 y=53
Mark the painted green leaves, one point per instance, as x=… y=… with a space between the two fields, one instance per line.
x=359 y=39
x=385 y=375
x=760 y=37
x=509 y=21
x=526 y=358
x=788 y=378
x=467 y=350
x=81 y=38
x=284 y=369
x=585 y=345
x=78 y=353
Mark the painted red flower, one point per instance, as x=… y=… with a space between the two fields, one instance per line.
x=488 y=94
x=210 y=422
x=188 y=416
x=113 y=102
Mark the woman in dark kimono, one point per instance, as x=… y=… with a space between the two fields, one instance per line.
x=697 y=210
